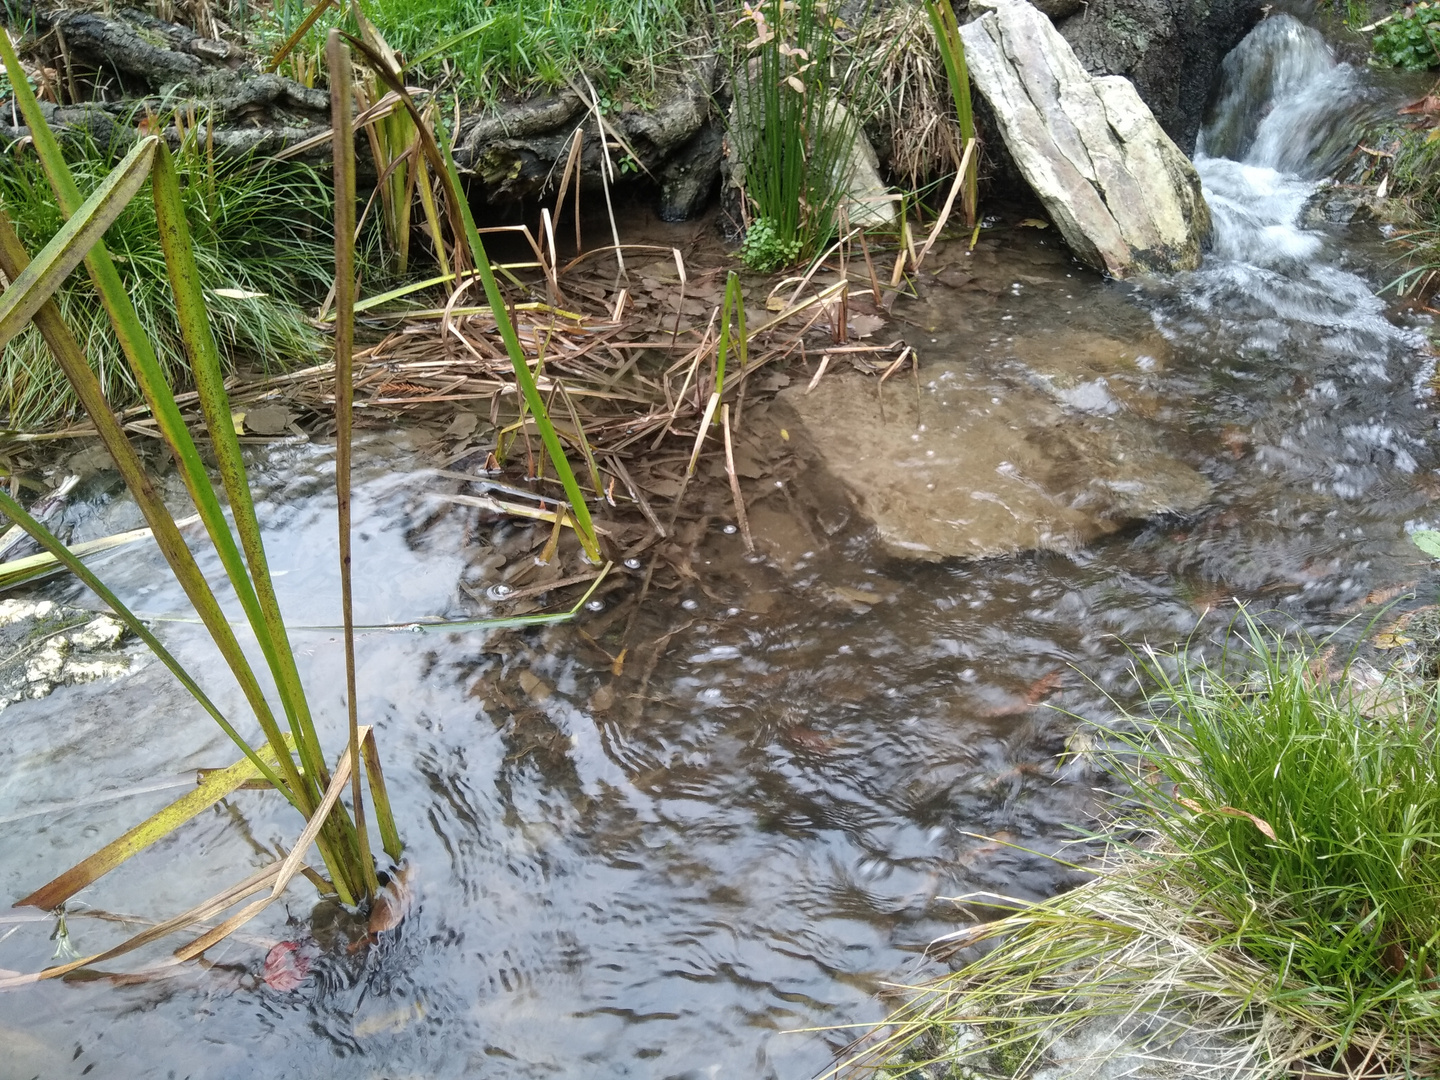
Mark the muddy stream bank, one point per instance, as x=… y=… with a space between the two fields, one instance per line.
x=757 y=823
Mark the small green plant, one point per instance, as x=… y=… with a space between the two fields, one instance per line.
x=764 y=250
x=260 y=239
x=790 y=133
x=1409 y=39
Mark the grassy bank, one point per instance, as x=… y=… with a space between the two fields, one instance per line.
x=1271 y=903
x=1414 y=169
x=486 y=49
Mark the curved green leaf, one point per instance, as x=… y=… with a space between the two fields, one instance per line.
x=68 y=248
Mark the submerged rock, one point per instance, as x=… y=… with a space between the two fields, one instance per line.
x=44 y=645
x=964 y=473
x=1121 y=192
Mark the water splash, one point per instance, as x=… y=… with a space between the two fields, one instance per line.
x=1275 y=299
x=1285 y=103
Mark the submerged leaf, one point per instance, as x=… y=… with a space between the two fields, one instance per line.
x=1428 y=541
x=269 y=420
x=285 y=967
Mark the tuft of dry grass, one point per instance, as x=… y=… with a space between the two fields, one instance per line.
x=895 y=78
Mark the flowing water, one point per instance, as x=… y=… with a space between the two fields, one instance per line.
x=667 y=874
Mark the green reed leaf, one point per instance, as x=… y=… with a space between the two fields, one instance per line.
x=69 y=247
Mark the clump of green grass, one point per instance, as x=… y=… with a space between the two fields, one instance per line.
x=1290 y=797
x=1282 y=904
x=262 y=245
x=1414 y=172
x=1352 y=13
x=790 y=134
x=484 y=49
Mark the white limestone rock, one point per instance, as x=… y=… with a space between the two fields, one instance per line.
x=1120 y=191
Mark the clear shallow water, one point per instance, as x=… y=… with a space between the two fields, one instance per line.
x=756 y=826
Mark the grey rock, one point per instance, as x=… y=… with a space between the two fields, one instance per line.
x=1121 y=192
x=688 y=179
x=1170 y=49
x=519 y=151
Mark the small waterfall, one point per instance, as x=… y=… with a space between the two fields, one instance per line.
x=1274 y=300
x=1284 y=114
x=1285 y=103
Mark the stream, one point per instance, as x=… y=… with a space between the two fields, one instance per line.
x=678 y=872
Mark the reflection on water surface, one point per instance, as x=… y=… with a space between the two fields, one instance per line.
x=754 y=826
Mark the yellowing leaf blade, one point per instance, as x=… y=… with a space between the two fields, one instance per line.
x=215 y=787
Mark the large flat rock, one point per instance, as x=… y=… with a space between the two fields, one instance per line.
x=963 y=468
x=1118 y=188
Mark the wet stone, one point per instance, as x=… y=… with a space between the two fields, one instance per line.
x=975 y=470
x=44 y=645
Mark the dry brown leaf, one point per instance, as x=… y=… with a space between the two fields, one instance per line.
x=1230 y=811
x=864 y=326
x=392 y=903
x=662 y=486
x=534 y=686
x=462 y=425
x=1044 y=686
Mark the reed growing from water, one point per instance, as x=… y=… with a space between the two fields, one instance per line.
x=291 y=757
x=952 y=51
x=791 y=134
